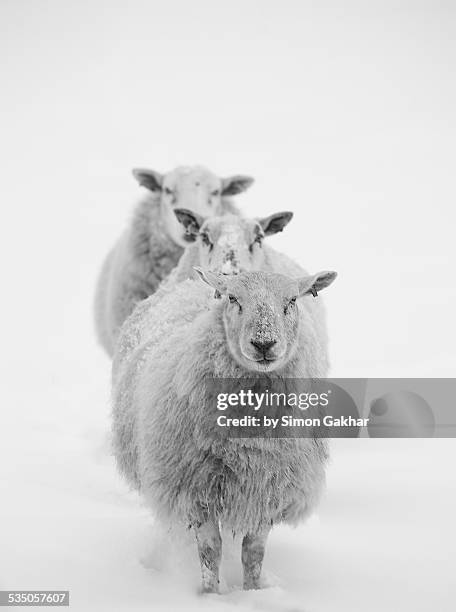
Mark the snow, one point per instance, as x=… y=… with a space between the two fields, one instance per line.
x=346 y=117
x=383 y=538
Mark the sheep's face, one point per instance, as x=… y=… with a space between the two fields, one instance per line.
x=194 y=188
x=230 y=244
x=261 y=314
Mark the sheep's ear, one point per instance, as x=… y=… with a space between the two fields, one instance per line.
x=275 y=223
x=216 y=281
x=148 y=178
x=236 y=184
x=192 y=222
x=310 y=285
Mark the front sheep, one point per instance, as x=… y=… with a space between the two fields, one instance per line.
x=154 y=241
x=165 y=441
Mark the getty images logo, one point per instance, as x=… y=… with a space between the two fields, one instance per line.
x=247 y=398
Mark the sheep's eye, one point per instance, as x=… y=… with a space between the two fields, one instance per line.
x=233 y=300
x=290 y=305
x=168 y=191
x=205 y=239
x=216 y=192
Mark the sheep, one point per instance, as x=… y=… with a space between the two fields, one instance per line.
x=154 y=241
x=232 y=244
x=165 y=441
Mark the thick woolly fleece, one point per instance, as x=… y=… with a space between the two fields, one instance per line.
x=164 y=434
x=143 y=256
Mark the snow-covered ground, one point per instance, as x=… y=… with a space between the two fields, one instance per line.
x=344 y=115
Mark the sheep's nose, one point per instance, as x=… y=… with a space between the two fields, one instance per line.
x=263 y=347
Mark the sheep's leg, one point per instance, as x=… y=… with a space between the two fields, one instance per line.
x=210 y=553
x=253 y=546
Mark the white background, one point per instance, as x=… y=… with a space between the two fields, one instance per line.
x=344 y=113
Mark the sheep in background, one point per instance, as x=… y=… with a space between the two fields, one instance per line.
x=232 y=244
x=165 y=439
x=154 y=241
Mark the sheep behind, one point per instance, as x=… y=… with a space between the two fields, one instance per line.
x=154 y=241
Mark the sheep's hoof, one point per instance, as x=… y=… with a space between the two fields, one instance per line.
x=252 y=585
